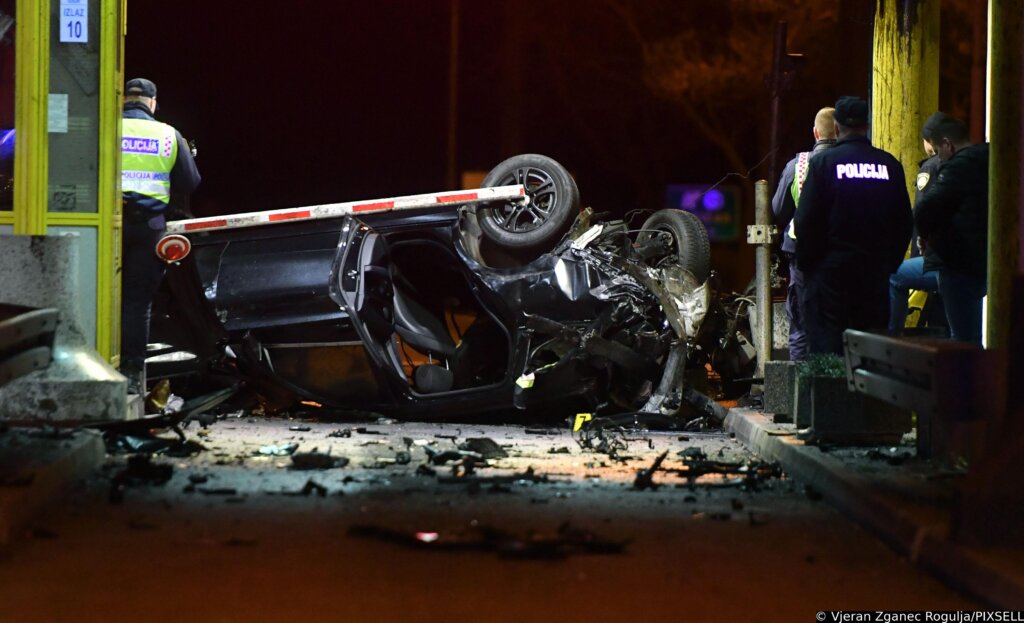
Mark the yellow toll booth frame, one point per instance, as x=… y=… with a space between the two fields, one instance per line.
x=30 y=214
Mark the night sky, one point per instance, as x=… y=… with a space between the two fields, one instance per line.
x=313 y=102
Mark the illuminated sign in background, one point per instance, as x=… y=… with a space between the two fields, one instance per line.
x=717 y=208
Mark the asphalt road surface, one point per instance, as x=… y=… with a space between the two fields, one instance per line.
x=239 y=536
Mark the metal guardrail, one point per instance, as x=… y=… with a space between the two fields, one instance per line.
x=949 y=384
x=26 y=340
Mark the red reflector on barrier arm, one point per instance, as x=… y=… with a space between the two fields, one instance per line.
x=173 y=248
x=457 y=198
x=284 y=216
x=370 y=207
x=206 y=225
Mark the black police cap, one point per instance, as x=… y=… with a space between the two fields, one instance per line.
x=140 y=87
x=851 y=111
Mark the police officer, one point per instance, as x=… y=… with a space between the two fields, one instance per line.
x=853 y=224
x=784 y=202
x=952 y=219
x=154 y=159
x=919 y=271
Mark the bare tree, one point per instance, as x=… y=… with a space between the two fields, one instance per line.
x=710 y=61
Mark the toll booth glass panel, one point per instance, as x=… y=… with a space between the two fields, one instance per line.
x=74 y=105
x=7 y=23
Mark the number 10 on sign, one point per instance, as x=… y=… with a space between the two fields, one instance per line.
x=74 y=21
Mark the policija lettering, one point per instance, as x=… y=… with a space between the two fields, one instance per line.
x=862 y=171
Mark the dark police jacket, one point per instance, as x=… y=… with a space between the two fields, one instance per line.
x=952 y=214
x=854 y=204
x=927 y=170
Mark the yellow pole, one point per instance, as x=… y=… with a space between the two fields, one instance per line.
x=31 y=101
x=905 y=84
x=108 y=282
x=1004 y=185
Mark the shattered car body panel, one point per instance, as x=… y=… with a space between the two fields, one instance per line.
x=401 y=314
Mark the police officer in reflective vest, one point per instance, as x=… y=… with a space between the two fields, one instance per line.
x=853 y=225
x=791 y=183
x=154 y=159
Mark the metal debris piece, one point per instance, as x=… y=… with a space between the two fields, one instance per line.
x=528 y=476
x=403 y=458
x=598 y=439
x=693 y=453
x=311 y=486
x=386 y=421
x=749 y=475
x=341 y=432
x=645 y=477
x=317 y=460
x=300 y=429
x=448 y=456
x=151 y=444
x=484 y=446
x=362 y=430
x=280 y=450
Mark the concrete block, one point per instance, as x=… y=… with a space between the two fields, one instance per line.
x=40 y=271
x=779 y=383
x=840 y=416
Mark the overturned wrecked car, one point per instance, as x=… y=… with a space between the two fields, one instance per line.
x=424 y=306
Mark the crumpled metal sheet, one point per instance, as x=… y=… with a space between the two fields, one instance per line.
x=684 y=300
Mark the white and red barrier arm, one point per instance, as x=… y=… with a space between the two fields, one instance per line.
x=334 y=210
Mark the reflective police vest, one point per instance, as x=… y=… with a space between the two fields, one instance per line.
x=799 y=177
x=148 y=152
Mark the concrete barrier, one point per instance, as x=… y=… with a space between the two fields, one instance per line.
x=41 y=271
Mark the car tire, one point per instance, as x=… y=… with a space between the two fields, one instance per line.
x=689 y=236
x=554 y=204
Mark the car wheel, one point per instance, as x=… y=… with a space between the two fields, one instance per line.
x=553 y=202
x=689 y=239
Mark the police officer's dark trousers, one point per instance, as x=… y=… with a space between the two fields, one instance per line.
x=141 y=272
x=844 y=291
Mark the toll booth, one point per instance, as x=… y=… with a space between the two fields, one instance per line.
x=61 y=77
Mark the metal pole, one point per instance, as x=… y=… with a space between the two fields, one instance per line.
x=1004 y=186
x=763 y=257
